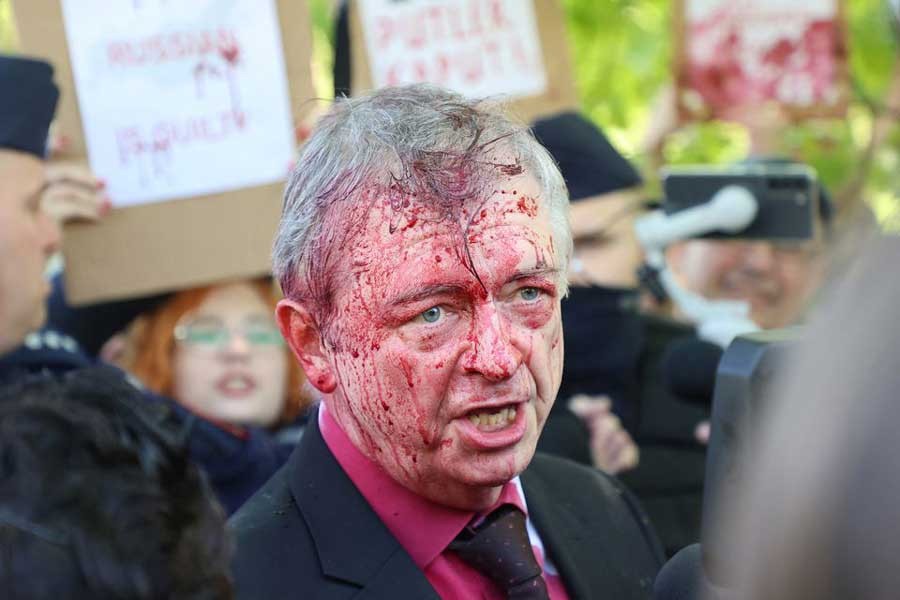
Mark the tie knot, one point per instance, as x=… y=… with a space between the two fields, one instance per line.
x=499 y=548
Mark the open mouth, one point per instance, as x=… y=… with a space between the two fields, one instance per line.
x=495 y=427
x=493 y=420
x=236 y=385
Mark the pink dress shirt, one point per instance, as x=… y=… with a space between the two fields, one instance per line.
x=424 y=528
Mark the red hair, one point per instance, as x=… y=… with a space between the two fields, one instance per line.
x=152 y=338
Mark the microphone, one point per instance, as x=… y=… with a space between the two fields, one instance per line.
x=730 y=210
x=689 y=368
x=682 y=577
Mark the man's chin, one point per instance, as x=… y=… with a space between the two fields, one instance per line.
x=497 y=470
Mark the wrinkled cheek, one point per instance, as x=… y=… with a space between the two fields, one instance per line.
x=547 y=363
x=425 y=379
x=557 y=352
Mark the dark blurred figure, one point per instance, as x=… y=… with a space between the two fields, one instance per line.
x=819 y=516
x=98 y=498
x=613 y=347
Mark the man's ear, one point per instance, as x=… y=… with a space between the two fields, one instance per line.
x=305 y=339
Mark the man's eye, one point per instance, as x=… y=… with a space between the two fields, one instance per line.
x=432 y=314
x=530 y=294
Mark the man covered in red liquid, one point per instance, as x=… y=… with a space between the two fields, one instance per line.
x=422 y=251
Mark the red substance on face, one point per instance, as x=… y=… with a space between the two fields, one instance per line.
x=408 y=371
x=527 y=206
x=512 y=170
x=486 y=346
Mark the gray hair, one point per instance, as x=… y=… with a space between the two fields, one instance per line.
x=413 y=140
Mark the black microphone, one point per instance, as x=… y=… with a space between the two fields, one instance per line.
x=689 y=369
x=682 y=577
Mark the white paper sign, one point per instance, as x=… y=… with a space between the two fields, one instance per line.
x=478 y=48
x=180 y=99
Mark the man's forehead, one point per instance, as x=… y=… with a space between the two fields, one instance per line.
x=441 y=255
x=420 y=228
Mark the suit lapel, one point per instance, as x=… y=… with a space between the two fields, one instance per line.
x=352 y=543
x=577 y=547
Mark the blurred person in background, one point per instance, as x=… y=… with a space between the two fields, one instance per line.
x=614 y=410
x=28 y=237
x=35 y=198
x=98 y=498
x=817 y=516
x=225 y=376
x=600 y=323
x=218 y=351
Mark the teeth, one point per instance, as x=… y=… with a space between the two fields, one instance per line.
x=501 y=418
x=235 y=384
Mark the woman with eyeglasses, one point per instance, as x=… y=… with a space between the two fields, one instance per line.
x=217 y=351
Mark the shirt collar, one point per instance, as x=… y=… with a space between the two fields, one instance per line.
x=424 y=528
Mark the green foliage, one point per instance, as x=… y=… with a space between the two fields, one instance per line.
x=323 y=46
x=623 y=55
x=7 y=31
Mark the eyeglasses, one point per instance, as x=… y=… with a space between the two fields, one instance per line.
x=212 y=333
x=797 y=250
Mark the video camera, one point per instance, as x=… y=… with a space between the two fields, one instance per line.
x=745 y=378
x=787 y=197
x=771 y=200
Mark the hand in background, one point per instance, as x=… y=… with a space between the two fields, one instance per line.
x=612 y=448
x=74 y=193
x=701 y=432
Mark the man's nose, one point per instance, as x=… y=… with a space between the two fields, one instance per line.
x=493 y=353
x=759 y=256
x=236 y=346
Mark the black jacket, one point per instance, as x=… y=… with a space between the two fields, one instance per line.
x=309 y=533
x=669 y=479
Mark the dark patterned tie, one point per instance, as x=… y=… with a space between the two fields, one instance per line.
x=499 y=548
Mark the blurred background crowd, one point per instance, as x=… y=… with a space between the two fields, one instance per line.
x=195 y=387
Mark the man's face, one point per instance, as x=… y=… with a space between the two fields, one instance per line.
x=446 y=340
x=607 y=251
x=27 y=238
x=778 y=280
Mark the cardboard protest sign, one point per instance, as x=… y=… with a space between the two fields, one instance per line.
x=187 y=110
x=516 y=49
x=735 y=54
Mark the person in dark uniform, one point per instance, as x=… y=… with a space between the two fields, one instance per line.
x=27 y=236
x=615 y=345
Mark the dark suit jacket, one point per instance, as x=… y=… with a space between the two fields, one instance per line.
x=308 y=533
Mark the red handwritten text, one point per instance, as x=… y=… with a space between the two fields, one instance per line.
x=163 y=48
x=438 y=23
